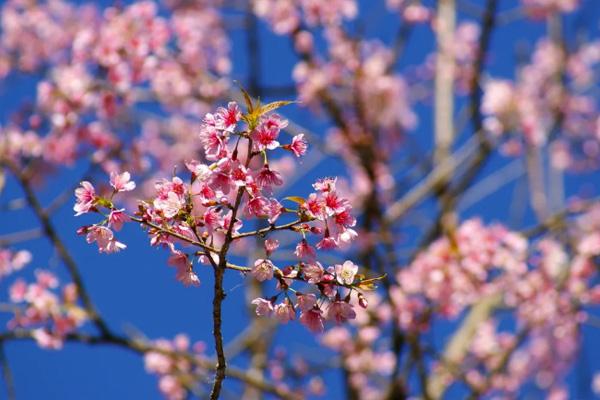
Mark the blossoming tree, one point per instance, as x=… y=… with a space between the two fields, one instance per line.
x=342 y=207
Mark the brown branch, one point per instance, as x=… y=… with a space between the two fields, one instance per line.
x=219 y=294
x=21 y=236
x=270 y=228
x=142 y=347
x=7 y=374
x=51 y=233
x=459 y=344
x=444 y=78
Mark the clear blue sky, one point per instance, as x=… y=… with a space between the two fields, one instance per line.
x=136 y=291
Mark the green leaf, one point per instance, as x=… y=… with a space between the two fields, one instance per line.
x=247 y=99
x=273 y=106
x=369 y=284
x=295 y=199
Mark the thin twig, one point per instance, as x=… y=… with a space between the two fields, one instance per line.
x=142 y=347
x=7 y=374
x=54 y=238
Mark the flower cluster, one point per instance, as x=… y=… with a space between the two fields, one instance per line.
x=539 y=103
x=286 y=16
x=545 y=284
x=39 y=307
x=11 y=261
x=102 y=64
x=543 y=8
x=363 y=353
x=335 y=285
x=456 y=271
x=87 y=200
x=208 y=211
x=176 y=366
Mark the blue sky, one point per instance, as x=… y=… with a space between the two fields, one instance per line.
x=137 y=292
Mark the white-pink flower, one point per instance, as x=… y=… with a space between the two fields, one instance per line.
x=284 y=312
x=104 y=238
x=264 y=308
x=117 y=218
x=313 y=320
x=346 y=272
x=299 y=145
x=169 y=205
x=121 y=182
x=86 y=198
x=262 y=270
x=340 y=312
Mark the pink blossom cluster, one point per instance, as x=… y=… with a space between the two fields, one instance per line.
x=36 y=33
x=13 y=261
x=87 y=200
x=51 y=316
x=538 y=104
x=100 y=67
x=209 y=210
x=548 y=298
x=547 y=303
x=543 y=8
x=363 y=68
x=282 y=366
x=286 y=16
x=455 y=271
x=330 y=283
x=463 y=48
x=364 y=354
x=176 y=365
x=412 y=12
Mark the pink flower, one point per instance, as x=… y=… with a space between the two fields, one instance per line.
x=86 y=198
x=306 y=301
x=230 y=116
x=325 y=185
x=169 y=205
x=17 y=291
x=340 y=312
x=305 y=251
x=327 y=243
x=121 y=182
x=274 y=210
x=314 y=206
x=258 y=206
x=264 y=308
x=267 y=178
x=262 y=270
x=346 y=272
x=313 y=272
x=178 y=260
x=313 y=320
x=214 y=144
x=104 y=238
x=271 y=245
x=46 y=340
x=284 y=312
x=266 y=134
x=299 y=145
x=188 y=277
x=117 y=218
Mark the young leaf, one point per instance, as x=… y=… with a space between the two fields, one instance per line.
x=295 y=199
x=247 y=100
x=369 y=284
x=273 y=106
